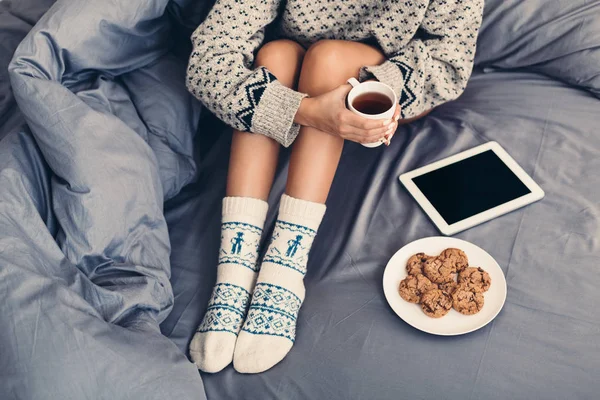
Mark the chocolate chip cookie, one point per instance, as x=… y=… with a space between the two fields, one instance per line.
x=466 y=300
x=436 y=303
x=448 y=287
x=413 y=286
x=414 y=265
x=475 y=278
x=455 y=259
x=438 y=271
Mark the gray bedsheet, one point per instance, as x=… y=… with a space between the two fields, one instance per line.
x=66 y=314
x=545 y=344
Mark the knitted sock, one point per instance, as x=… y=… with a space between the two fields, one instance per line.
x=270 y=327
x=213 y=344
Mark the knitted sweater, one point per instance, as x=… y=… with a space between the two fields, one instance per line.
x=429 y=45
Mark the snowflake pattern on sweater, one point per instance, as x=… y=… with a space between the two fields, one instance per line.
x=429 y=45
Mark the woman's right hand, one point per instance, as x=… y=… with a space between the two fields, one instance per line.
x=328 y=113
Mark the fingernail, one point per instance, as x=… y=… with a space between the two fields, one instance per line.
x=386 y=122
x=396 y=118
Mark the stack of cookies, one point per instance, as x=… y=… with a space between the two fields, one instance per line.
x=432 y=282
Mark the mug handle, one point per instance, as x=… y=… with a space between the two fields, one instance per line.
x=353 y=82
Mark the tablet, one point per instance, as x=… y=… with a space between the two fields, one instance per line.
x=471 y=187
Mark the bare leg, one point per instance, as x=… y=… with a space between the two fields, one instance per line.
x=254 y=157
x=251 y=170
x=314 y=159
x=316 y=154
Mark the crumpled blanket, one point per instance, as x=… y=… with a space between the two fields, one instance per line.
x=84 y=246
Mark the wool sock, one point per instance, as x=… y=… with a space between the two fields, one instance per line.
x=270 y=327
x=213 y=344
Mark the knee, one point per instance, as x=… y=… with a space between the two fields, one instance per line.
x=278 y=52
x=325 y=67
x=324 y=55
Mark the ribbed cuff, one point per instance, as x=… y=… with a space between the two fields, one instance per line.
x=245 y=206
x=387 y=73
x=274 y=115
x=306 y=212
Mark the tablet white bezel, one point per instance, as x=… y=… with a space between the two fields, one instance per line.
x=536 y=192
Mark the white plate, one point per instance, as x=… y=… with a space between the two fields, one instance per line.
x=453 y=323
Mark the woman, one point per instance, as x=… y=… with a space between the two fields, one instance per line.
x=292 y=90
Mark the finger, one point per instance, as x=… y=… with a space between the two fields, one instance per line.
x=397 y=113
x=363 y=123
x=391 y=135
x=392 y=131
x=377 y=132
x=359 y=138
x=375 y=138
x=363 y=140
x=369 y=136
x=387 y=139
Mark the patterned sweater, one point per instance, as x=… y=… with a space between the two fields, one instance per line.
x=429 y=45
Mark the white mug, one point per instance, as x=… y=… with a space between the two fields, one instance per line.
x=372 y=87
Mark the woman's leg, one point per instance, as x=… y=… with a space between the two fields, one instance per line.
x=254 y=157
x=316 y=154
x=251 y=170
x=269 y=330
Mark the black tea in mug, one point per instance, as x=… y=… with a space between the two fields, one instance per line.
x=372 y=103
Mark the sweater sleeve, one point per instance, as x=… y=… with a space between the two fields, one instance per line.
x=221 y=76
x=428 y=72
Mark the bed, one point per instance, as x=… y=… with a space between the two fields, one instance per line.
x=101 y=144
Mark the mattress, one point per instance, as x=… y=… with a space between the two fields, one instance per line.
x=545 y=343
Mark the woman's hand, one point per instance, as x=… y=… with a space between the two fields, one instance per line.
x=328 y=113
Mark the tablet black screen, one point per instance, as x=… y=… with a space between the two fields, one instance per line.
x=468 y=187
